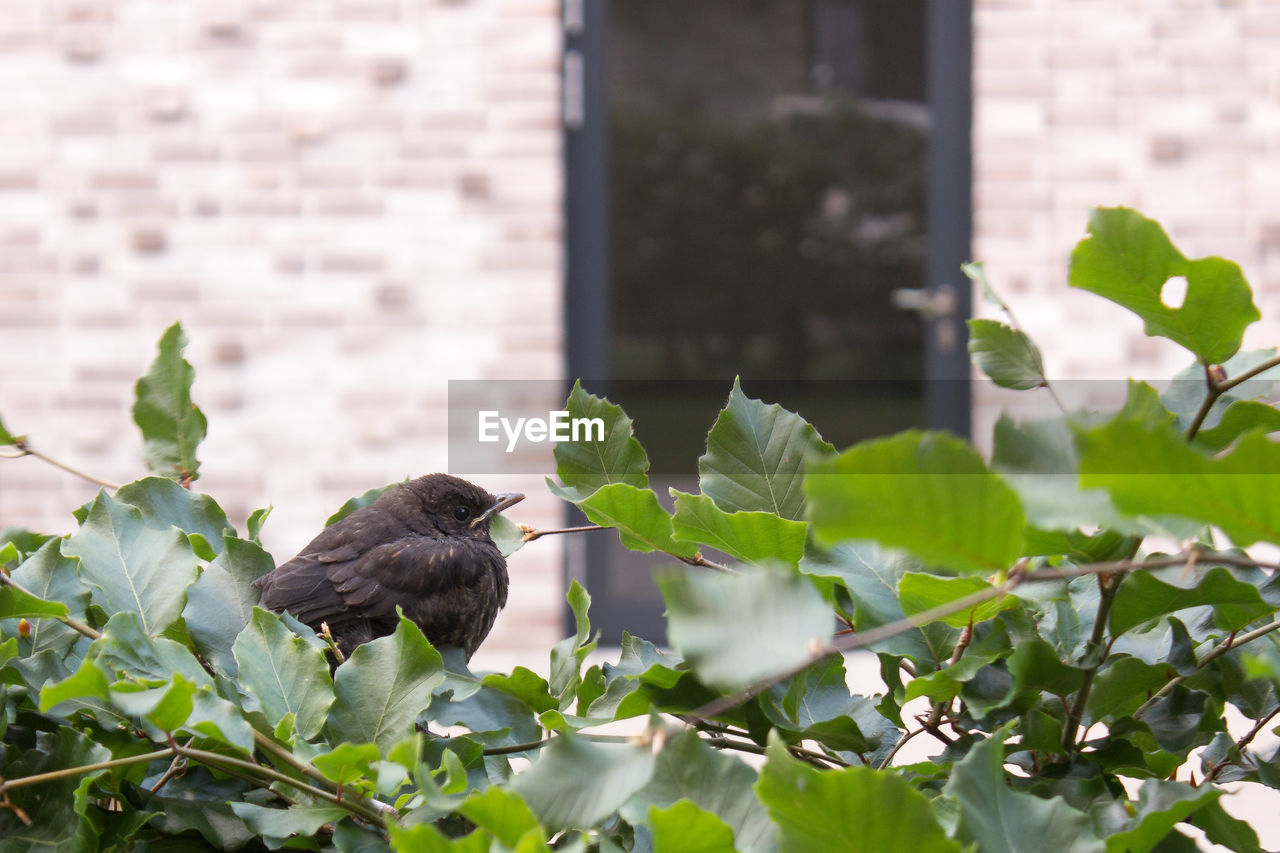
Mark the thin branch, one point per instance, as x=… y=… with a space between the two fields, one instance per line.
x=24 y=449
x=80 y=770
x=1213 y=654
x=867 y=638
x=350 y=804
x=699 y=560
x=532 y=533
x=1227 y=384
x=899 y=745
x=1218 y=766
x=74 y=624
x=1213 y=390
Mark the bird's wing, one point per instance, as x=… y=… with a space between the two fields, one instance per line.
x=405 y=572
x=339 y=583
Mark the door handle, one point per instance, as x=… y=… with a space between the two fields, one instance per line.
x=929 y=304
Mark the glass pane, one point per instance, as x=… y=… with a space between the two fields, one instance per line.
x=767 y=179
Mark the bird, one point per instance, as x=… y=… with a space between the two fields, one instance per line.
x=423 y=547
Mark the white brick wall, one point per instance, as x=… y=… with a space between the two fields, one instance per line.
x=1169 y=107
x=346 y=204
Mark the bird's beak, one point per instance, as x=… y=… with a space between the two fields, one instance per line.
x=502 y=502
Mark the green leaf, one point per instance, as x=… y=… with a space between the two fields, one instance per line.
x=6 y=437
x=347 y=762
x=685 y=828
x=383 y=687
x=284 y=673
x=755 y=457
x=1222 y=828
x=221 y=601
x=88 y=680
x=167 y=707
x=995 y=817
x=689 y=770
x=500 y=812
x=872 y=574
x=276 y=826
x=1036 y=666
x=1154 y=472
x=56 y=807
x=172 y=426
x=921 y=592
x=1237 y=419
x=506 y=534
x=126 y=648
x=527 y=686
x=641 y=522
x=817 y=705
x=568 y=654
x=584 y=466
x=751 y=537
x=876 y=810
x=1160 y=806
x=15 y=603
x=425 y=838
x=1147 y=594
x=929 y=493
x=359 y=502
x=1128 y=259
x=166 y=504
x=575 y=783
x=1006 y=355
x=706 y=622
x=132 y=566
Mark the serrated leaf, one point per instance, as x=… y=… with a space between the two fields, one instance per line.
x=166 y=504
x=55 y=808
x=751 y=537
x=641 y=522
x=920 y=592
x=877 y=811
x=253 y=525
x=166 y=707
x=359 y=502
x=1154 y=472
x=706 y=622
x=926 y=492
x=500 y=812
x=755 y=457
x=1147 y=594
x=383 y=687
x=1160 y=806
x=1128 y=259
x=872 y=574
x=685 y=828
x=347 y=762
x=995 y=817
x=1237 y=419
x=688 y=769
x=16 y=603
x=568 y=654
x=276 y=826
x=284 y=673
x=1006 y=355
x=172 y=426
x=132 y=566
x=575 y=783
x=585 y=466
x=506 y=534
x=221 y=601
x=525 y=685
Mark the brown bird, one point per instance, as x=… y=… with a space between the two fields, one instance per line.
x=424 y=546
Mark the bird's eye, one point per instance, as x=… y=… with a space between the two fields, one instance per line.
x=462 y=513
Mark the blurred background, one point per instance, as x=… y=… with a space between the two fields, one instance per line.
x=349 y=203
